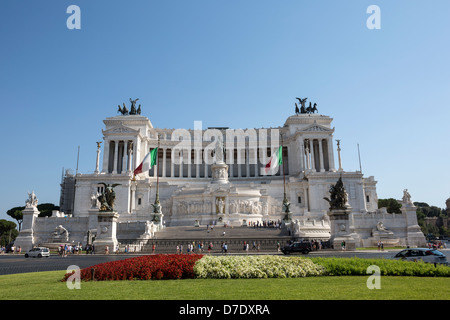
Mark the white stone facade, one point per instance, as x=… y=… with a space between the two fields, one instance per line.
x=192 y=191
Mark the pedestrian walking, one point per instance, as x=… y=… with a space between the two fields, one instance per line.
x=210 y=246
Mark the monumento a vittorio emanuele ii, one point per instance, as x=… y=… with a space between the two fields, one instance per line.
x=148 y=180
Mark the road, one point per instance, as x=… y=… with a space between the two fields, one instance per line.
x=11 y=264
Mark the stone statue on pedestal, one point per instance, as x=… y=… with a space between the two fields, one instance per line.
x=156 y=207
x=380 y=228
x=133 y=111
x=32 y=201
x=133 y=106
x=107 y=197
x=60 y=234
x=338 y=196
x=406 y=197
x=219 y=151
x=220 y=205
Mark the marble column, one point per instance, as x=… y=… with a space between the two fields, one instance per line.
x=97 y=163
x=172 y=169
x=339 y=155
x=331 y=155
x=124 y=156
x=256 y=165
x=180 y=167
x=308 y=167
x=164 y=162
x=105 y=155
x=198 y=153
x=133 y=196
x=116 y=154
x=206 y=165
x=322 y=168
x=311 y=152
x=301 y=154
x=129 y=157
x=136 y=154
x=247 y=162
x=189 y=163
x=129 y=151
x=239 y=162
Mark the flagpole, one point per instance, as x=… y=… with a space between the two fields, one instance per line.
x=286 y=204
x=157 y=174
x=282 y=162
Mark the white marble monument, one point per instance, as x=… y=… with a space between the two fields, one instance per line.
x=216 y=176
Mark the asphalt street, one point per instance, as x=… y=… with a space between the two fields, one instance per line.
x=11 y=264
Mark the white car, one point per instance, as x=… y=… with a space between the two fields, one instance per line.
x=38 y=252
x=426 y=255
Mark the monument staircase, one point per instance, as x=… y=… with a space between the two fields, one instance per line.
x=265 y=239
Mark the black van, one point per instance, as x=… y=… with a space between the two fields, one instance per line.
x=303 y=247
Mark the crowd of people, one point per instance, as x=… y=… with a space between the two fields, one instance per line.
x=64 y=250
x=266 y=224
x=437 y=245
x=191 y=247
x=12 y=250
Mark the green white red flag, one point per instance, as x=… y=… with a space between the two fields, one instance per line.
x=148 y=162
x=274 y=162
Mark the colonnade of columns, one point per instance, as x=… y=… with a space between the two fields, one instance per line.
x=316 y=154
x=118 y=156
x=182 y=163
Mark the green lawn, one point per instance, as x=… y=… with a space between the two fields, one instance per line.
x=46 y=286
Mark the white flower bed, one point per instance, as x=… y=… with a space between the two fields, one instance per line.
x=227 y=267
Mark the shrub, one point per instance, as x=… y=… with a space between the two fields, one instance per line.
x=358 y=267
x=175 y=266
x=255 y=267
x=162 y=266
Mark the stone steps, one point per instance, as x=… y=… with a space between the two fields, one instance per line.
x=203 y=232
x=169 y=238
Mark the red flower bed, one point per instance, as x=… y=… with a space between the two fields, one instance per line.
x=161 y=266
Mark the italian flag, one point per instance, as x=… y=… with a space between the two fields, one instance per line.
x=148 y=162
x=274 y=162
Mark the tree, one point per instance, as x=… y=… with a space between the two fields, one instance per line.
x=424 y=210
x=391 y=205
x=45 y=210
x=16 y=213
x=8 y=232
x=429 y=211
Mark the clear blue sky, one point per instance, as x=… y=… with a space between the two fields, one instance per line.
x=228 y=63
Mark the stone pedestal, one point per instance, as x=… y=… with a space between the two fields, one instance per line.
x=106 y=231
x=25 y=239
x=219 y=173
x=340 y=229
x=414 y=234
x=388 y=239
x=158 y=220
x=158 y=216
x=287 y=211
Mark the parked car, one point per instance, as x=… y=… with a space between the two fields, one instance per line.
x=424 y=254
x=303 y=247
x=38 y=252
